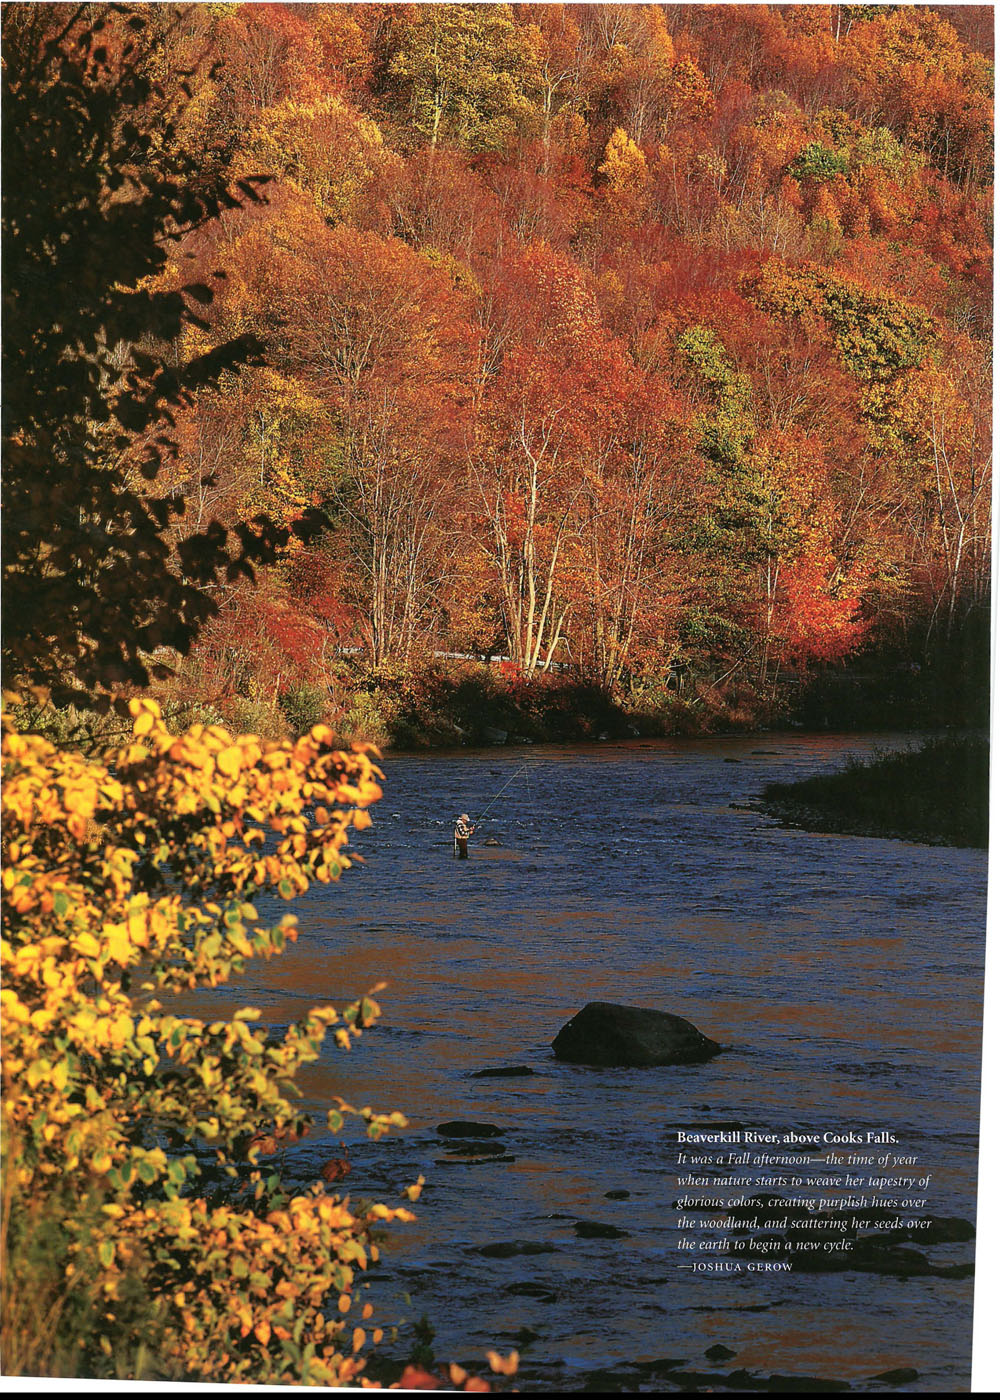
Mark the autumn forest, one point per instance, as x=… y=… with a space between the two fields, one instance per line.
x=643 y=349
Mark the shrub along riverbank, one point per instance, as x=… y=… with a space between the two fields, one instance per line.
x=450 y=702
x=938 y=794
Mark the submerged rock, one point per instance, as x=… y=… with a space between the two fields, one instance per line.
x=744 y=1380
x=527 y=1289
x=596 y=1230
x=509 y=1249
x=606 y=1034
x=936 y=1229
x=481 y=1147
x=465 y=1128
x=503 y=1072
x=474 y=1159
x=876 y=1254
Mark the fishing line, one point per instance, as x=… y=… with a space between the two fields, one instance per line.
x=531 y=796
x=506 y=785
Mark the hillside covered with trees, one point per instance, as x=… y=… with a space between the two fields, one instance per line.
x=644 y=349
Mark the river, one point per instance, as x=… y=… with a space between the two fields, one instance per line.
x=843 y=974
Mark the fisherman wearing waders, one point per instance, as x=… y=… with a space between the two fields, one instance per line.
x=463 y=830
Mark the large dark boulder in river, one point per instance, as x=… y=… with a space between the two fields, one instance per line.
x=631 y=1036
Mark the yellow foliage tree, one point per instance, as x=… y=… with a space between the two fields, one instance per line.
x=127 y=880
x=323 y=146
x=627 y=178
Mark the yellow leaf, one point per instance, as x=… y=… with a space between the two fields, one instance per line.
x=119 y=947
x=503 y=1366
x=229 y=761
x=121 y=1029
x=86 y=945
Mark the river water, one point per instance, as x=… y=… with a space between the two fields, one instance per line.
x=843 y=974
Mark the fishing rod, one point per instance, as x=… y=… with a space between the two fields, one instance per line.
x=506 y=785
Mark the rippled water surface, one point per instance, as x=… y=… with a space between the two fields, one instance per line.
x=844 y=975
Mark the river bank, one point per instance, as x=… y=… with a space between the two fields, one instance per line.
x=446 y=703
x=937 y=794
x=455 y=704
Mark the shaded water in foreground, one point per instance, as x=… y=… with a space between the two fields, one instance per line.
x=844 y=973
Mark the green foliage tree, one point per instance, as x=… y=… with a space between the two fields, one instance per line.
x=726 y=426
x=878 y=336
x=819 y=162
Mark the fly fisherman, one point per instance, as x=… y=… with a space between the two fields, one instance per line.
x=463 y=830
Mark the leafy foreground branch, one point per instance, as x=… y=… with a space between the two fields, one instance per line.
x=126 y=881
